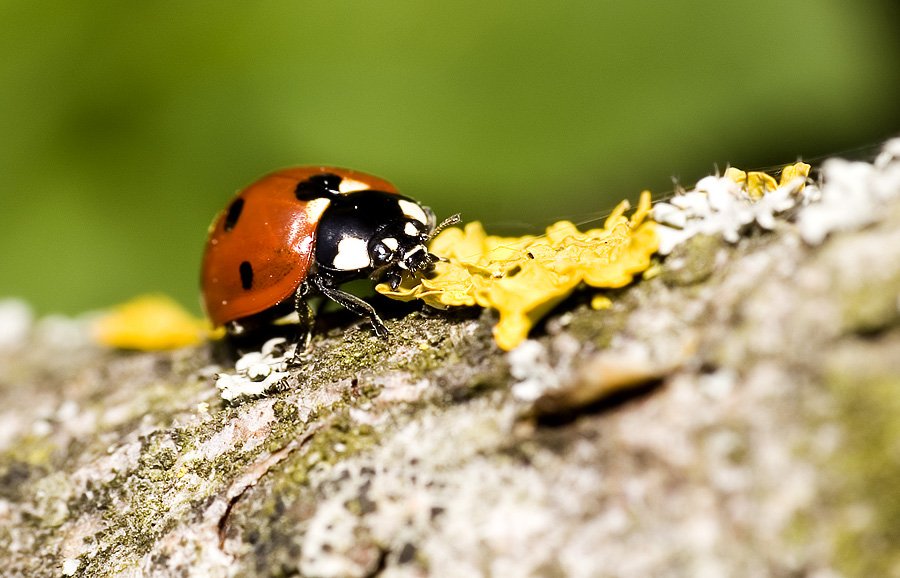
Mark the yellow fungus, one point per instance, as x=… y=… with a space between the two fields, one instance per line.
x=149 y=322
x=523 y=278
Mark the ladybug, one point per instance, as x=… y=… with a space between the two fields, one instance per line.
x=302 y=232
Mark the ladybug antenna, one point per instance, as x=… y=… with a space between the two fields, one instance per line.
x=448 y=222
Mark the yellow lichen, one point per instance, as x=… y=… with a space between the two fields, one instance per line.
x=736 y=175
x=600 y=302
x=523 y=278
x=791 y=172
x=757 y=184
x=149 y=322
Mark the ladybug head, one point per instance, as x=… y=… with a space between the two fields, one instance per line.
x=403 y=246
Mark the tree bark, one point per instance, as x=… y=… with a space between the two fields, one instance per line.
x=737 y=414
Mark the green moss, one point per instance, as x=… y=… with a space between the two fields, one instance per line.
x=801 y=530
x=692 y=262
x=868 y=306
x=139 y=504
x=285 y=412
x=341 y=438
x=868 y=470
x=51 y=496
x=35 y=451
x=15 y=476
x=158 y=458
x=599 y=326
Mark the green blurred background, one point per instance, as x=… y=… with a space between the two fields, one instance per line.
x=127 y=126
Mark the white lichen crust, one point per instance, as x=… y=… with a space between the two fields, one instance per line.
x=256 y=372
x=847 y=196
x=852 y=194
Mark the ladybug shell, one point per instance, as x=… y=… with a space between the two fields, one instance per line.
x=261 y=247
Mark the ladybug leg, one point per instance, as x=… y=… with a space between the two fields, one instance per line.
x=305 y=327
x=352 y=303
x=393 y=278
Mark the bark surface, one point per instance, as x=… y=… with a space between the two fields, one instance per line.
x=738 y=414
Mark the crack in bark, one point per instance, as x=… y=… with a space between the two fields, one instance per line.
x=254 y=474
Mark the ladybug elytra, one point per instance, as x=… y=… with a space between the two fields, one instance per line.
x=304 y=231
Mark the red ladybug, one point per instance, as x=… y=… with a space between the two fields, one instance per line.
x=304 y=231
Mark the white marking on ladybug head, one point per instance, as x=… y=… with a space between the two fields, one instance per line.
x=410 y=230
x=352 y=254
x=402 y=263
x=391 y=243
x=351 y=186
x=413 y=251
x=413 y=211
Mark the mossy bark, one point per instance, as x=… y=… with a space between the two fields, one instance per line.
x=737 y=414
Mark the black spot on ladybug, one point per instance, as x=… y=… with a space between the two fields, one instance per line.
x=234 y=213
x=317 y=186
x=246 y=275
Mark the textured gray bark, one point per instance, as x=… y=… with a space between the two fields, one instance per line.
x=736 y=415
